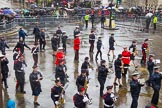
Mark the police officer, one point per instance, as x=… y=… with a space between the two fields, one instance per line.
x=118 y=70
x=60 y=72
x=4 y=70
x=76 y=31
x=109 y=98
x=86 y=19
x=133 y=50
x=54 y=41
x=42 y=40
x=111 y=44
x=86 y=65
x=34 y=52
x=80 y=99
x=64 y=39
x=59 y=34
x=102 y=74
x=91 y=41
x=21 y=44
x=82 y=80
x=99 y=45
x=35 y=78
x=56 y=92
x=19 y=66
x=3 y=45
x=36 y=32
x=150 y=67
x=156 y=85
x=135 y=88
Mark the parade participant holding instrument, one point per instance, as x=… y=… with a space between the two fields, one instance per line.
x=86 y=65
x=102 y=74
x=133 y=50
x=57 y=92
x=126 y=60
x=156 y=85
x=135 y=88
x=144 y=51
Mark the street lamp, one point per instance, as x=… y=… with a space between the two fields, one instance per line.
x=1 y=97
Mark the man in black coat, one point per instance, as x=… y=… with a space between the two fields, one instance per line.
x=64 y=40
x=111 y=44
x=99 y=45
x=54 y=41
x=86 y=65
x=91 y=41
x=34 y=79
x=102 y=75
x=36 y=32
x=19 y=66
x=4 y=70
x=3 y=45
x=76 y=31
x=135 y=88
x=21 y=44
x=42 y=40
x=156 y=85
x=59 y=34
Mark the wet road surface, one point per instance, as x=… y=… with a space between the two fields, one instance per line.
x=122 y=36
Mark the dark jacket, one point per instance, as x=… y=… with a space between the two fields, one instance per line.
x=111 y=41
x=117 y=65
x=60 y=72
x=132 y=48
x=22 y=34
x=59 y=32
x=4 y=66
x=85 y=65
x=102 y=72
x=99 y=44
x=36 y=30
x=78 y=101
x=135 y=87
x=76 y=32
x=64 y=39
x=35 y=85
x=56 y=90
x=3 y=46
x=21 y=46
x=80 y=81
x=42 y=36
x=18 y=65
x=156 y=80
x=150 y=66
x=107 y=99
x=91 y=38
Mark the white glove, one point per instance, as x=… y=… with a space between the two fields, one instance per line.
x=62 y=96
x=85 y=99
x=112 y=95
x=56 y=102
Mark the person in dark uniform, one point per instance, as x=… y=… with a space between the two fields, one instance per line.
x=42 y=40
x=76 y=31
x=34 y=79
x=111 y=45
x=156 y=85
x=135 y=88
x=118 y=70
x=4 y=70
x=21 y=44
x=109 y=98
x=81 y=80
x=86 y=65
x=19 y=66
x=60 y=72
x=102 y=21
x=80 y=99
x=54 y=41
x=17 y=54
x=36 y=32
x=59 y=34
x=133 y=50
x=144 y=51
x=56 y=92
x=34 y=52
x=3 y=45
x=150 y=68
x=102 y=75
x=91 y=41
x=99 y=45
x=64 y=39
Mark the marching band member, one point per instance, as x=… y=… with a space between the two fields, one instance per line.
x=126 y=60
x=59 y=55
x=133 y=49
x=109 y=98
x=144 y=51
x=34 y=52
x=135 y=88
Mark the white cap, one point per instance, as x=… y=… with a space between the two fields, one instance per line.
x=63 y=31
x=135 y=73
x=1 y=55
x=60 y=48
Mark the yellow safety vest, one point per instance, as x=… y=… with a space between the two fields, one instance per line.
x=86 y=17
x=155 y=20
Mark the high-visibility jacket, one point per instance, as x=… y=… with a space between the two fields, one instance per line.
x=86 y=17
x=155 y=19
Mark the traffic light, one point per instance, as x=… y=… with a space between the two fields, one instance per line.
x=119 y=1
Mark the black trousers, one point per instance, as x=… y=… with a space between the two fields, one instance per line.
x=125 y=69
x=134 y=101
x=4 y=77
x=155 y=96
x=86 y=21
x=154 y=26
x=35 y=58
x=102 y=24
x=36 y=37
x=91 y=47
x=42 y=44
x=102 y=83
x=20 y=76
x=64 y=46
x=76 y=55
x=99 y=52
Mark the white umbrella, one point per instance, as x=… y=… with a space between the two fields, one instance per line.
x=149 y=15
x=121 y=8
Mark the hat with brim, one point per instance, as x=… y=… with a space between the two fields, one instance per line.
x=146 y=40
x=103 y=61
x=135 y=74
x=1 y=55
x=109 y=87
x=156 y=67
x=112 y=34
x=60 y=48
x=151 y=55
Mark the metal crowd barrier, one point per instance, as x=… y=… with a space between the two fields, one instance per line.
x=4 y=27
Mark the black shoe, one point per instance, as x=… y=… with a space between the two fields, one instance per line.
x=36 y=104
x=120 y=86
x=108 y=54
x=23 y=92
x=115 y=84
x=6 y=86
